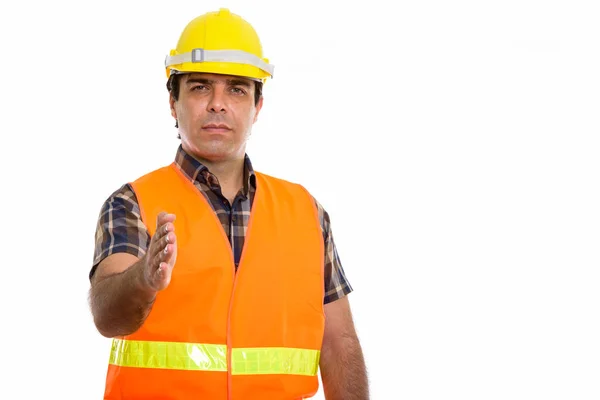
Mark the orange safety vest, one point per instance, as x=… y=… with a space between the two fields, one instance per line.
x=220 y=335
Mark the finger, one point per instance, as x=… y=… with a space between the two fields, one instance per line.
x=168 y=252
x=167 y=239
x=154 y=263
x=159 y=219
x=158 y=240
x=162 y=218
x=161 y=267
x=163 y=255
x=165 y=225
x=163 y=231
x=154 y=246
x=163 y=276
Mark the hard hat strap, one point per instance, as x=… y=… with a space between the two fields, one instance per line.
x=232 y=56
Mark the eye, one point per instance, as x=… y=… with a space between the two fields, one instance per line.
x=238 y=91
x=199 y=87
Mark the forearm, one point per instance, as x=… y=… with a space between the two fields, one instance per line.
x=343 y=371
x=120 y=302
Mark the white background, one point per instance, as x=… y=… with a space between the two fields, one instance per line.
x=454 y=144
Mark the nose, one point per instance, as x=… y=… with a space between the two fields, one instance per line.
x=216 y=103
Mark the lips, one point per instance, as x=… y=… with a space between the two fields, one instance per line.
x=216 y=127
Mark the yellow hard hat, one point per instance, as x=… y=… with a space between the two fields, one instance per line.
x=220 y=43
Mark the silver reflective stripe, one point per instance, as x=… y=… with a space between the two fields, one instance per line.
x=234 y=56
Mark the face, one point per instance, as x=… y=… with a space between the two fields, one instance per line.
x=215 y=114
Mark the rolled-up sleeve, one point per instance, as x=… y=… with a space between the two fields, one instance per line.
x=337 y=284
x=120 y=228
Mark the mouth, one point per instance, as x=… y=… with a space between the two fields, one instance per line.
x=216 y=128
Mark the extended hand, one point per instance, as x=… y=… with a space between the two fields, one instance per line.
x=162 y=253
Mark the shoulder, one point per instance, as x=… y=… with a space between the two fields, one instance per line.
x=163 y=172
x=321 y=211
x=119 y=227
x=123 y=197
x=283 y=186
x=274 y=180
x=126 y=192
x=119 y=209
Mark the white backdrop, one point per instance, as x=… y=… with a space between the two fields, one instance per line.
x=454 y=144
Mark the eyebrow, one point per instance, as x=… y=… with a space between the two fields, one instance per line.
x=238 y=82
x=230 y=82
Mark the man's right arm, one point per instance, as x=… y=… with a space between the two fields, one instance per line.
x=123 y=289
x=130 y=267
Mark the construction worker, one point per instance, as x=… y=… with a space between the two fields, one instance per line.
x=216 y=281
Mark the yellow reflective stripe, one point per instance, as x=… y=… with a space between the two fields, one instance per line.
x=213 y=357
x=169 y=355
x=275 y=360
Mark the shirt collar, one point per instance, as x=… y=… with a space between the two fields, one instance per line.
x=194 y=170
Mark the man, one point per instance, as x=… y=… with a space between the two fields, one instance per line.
x=216 y=281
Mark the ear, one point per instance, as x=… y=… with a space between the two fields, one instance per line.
x=258 y=108
x=172 y=106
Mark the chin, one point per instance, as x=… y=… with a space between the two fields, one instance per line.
x=213 y=154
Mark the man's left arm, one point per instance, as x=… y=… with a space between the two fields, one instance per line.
x=343 y=370
x=342 y=363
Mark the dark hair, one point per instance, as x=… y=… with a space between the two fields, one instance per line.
x=175 y=80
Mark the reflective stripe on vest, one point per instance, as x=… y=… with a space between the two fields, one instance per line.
x=213 y=357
